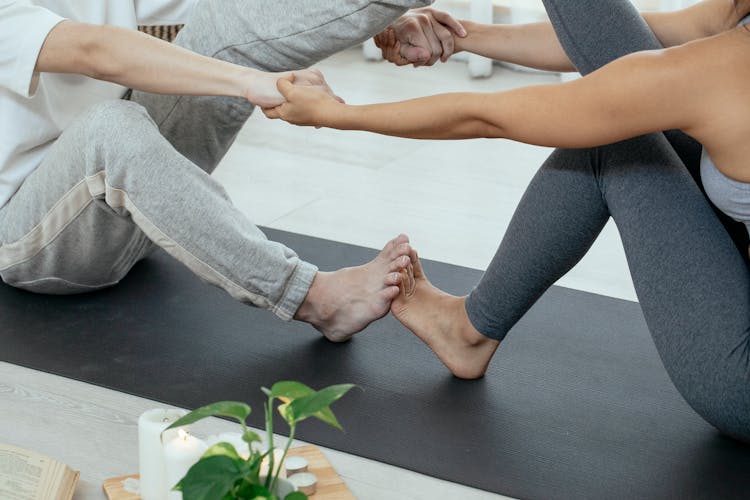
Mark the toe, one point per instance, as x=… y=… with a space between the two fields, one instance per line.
x=387 y=295
x=401 y=238
x=399 y=263
x=393 y=279
x=394 y=247
x=417 y=265
x=408 y=283
x=404 y=249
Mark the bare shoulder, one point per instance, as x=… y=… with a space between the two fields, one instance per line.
x=718 y=78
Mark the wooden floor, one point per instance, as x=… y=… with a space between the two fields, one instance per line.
x=454 y=200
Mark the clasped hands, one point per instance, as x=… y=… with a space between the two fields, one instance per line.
x=421 y=37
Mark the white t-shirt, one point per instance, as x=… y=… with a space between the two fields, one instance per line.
x=34 y=108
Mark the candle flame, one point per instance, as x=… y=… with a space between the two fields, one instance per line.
x=182 y=434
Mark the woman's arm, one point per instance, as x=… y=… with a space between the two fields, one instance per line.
x=536 y=45
x=142 y=62
x=645 y=92
x=533 y=45
x=704 y=19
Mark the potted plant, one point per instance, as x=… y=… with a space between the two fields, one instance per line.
x=222 y=473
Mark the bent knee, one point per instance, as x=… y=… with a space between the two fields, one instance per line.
x=720 y=394
x=110 y=132
x=112 y=123
x=117 y=112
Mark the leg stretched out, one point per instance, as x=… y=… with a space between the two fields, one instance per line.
x=119 y=197
x=126 y=176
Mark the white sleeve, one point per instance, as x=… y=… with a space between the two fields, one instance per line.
x=23 y=30
x=163 y=12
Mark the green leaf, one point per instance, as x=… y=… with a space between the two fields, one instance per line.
x=253 y=492
x=297 y=495
x=211 y=478
x=225 y=449
x=233 y=409
x=284 y=412
x=251 y=437
x=289 y=391
x=310 y=405
x=327 y=416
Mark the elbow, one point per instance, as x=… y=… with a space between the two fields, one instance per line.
x=493 y=131
x=485 y=128
x=473 y=129
x=96 y=58
x=485 y=118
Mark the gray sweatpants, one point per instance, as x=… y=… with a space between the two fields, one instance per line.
x=126 y=176
x=692 y=280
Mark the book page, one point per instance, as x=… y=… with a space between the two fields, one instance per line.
x=25 y=475
x=21 y=473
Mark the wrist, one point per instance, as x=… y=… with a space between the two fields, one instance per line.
x=333 y=115
x=246 y=82
x=462 y=43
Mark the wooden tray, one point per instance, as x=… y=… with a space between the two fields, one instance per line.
x=330 y=484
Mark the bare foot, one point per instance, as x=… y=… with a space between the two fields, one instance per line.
x=344 y=302
x=441 y=322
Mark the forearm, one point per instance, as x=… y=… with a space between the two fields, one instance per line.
x=533 y=45
x=530 y=114
x=139 y=61
x=536 y=45
x=446 y=116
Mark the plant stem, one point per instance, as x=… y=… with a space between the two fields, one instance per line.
x=292 y=428
x=268 y=407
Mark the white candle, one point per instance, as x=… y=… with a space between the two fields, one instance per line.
x=181 y=453
x=150 y=457
x=295 y=465
x=305 y=482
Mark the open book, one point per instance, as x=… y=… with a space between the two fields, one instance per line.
x=25 y=475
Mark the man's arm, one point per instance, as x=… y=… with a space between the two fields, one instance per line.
x=142 y=62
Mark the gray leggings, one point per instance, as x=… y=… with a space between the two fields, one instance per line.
x=692 y=279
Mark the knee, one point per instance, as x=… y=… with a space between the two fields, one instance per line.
x=111 y=122
x=117 y=115
x=112 y=129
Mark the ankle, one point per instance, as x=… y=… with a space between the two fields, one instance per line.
x=466 y=331
x=313 y=309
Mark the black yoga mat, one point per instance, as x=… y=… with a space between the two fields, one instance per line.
x=576 y=403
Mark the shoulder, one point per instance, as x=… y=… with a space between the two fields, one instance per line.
x=716 y=74
x=718 y=79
